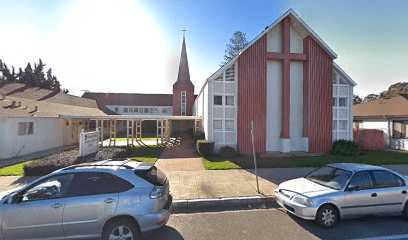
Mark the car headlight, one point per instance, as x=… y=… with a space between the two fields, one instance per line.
x=303 y=200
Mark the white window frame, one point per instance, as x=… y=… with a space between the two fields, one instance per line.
x=183 y=103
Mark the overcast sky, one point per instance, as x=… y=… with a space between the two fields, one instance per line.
x=134 y=46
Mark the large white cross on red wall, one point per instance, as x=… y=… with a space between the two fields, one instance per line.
x=286 y=57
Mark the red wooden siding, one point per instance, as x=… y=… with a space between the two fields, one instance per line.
x=252 y=97
x=318 y=91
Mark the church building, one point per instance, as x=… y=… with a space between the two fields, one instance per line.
x=286 y=83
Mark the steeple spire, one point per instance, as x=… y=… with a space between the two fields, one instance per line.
x=183 y=73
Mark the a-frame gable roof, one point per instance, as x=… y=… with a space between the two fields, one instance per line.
x=291 y=13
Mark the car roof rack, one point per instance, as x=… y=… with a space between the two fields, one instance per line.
x=102 y=164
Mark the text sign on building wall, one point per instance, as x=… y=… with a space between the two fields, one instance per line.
x=88 y=143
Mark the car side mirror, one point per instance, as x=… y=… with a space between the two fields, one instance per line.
x=16 y=198
x=352 y=188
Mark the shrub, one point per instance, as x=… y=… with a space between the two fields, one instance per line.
x=345 y=148
x=46 y=166
x=227 y=152
x=205 y=148
x=198 y=136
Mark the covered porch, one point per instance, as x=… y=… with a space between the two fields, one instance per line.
x=143 y=130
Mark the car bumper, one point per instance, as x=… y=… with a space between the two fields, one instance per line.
x=308 y=213
x=158 y=219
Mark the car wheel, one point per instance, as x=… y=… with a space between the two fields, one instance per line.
x=405 y=212
x=121 y=230
x=327 y=216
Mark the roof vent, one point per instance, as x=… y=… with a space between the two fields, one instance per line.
x=34 y=110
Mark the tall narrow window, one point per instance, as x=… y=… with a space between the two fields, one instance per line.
x=183 y=103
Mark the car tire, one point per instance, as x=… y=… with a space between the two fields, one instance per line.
x=327 y=216
x=405 y=212
x=122 y=227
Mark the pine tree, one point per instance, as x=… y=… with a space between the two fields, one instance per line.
x=28 y=76
x=236 y=43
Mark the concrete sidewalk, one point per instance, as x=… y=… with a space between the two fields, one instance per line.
x=187 y=185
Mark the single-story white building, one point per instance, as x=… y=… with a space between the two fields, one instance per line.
x=31 y=122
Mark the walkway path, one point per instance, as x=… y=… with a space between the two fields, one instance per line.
x=182 y=157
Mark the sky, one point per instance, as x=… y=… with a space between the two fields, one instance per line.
x=134 y=45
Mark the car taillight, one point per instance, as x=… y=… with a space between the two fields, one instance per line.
x=157 y=192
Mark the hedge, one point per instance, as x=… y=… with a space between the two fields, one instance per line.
x=205 y=148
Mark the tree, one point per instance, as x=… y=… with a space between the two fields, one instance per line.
x=236 y=43
x=357 y=99
x=31 y=77
x=371 y=97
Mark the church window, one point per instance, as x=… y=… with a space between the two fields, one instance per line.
x=146 y=110
x=116 y=109
x=217 y=124
x=125 y=109
x=229 y=100
x=220 y=78
x=229 y=125
x=217 y=100
x=230 y=74
x=342 y=102
x=183 y=103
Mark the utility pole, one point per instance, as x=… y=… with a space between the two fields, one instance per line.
x=254 y=156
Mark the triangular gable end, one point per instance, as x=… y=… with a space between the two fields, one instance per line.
x=298 y=24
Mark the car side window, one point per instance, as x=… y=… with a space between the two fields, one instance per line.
x=91 y=183
x=53 y=187
x=385 y=179
x=360 y=181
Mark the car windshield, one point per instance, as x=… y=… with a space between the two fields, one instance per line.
x=331 y=177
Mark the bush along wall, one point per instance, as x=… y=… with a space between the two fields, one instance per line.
x=345 y=148
x=205 y=148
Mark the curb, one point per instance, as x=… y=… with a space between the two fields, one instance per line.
x=223 y=204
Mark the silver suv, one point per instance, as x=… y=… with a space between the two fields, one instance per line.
x=108 y=199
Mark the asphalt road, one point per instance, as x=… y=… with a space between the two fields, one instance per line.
x=274 y=224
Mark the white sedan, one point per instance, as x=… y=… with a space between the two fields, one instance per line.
x=344 y=190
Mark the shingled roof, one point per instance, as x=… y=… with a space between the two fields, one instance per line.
x=394 y=107
x=19 y=100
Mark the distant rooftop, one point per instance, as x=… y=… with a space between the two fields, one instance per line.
x=393 y=107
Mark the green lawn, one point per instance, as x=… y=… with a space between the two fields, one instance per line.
x=13 y=170
x=219 y=164
x=246 y=162
x=151 y=160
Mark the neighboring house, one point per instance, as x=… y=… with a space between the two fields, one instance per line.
x=31 y=122
x=389 y=115
x=286 y=82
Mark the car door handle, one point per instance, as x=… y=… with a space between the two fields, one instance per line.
x=404 y=192
x=56 y=205
x=374 y=195
x=109 y=200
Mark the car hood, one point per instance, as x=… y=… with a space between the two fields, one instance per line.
x=304 y=187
